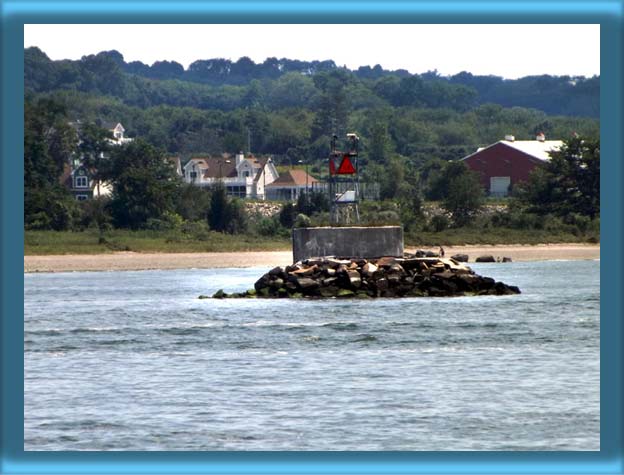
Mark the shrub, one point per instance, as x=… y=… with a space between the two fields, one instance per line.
x=237 y=217
x=167 y=222
x=302 y=221
x=50 y=209
x=226 y=215
x=385 y=217
x=270 y=227
x=438 y=223
x=95 y=213
x=198 y=230
x=287 y=215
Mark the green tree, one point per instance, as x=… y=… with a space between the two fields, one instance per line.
x=217 y=216
x=319 y=202
x=568 y=183
x=96 y=213
x=441 y=174
x=464 y=197
x=410 y=202
x=145 y=185
x=287 y=215
x=226 y=215
x=236 y=216
x=391 y=178
x=333 y=105
x=429 y=174
x=93 y=148
x=193 y=202
x=49 y=141
x=380 y=145
x=292 y=90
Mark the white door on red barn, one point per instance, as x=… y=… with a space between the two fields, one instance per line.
x=499 y=185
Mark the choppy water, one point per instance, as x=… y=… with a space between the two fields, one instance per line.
x=134 y=361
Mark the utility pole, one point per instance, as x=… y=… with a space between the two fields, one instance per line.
x=307 y=196
x=264 y=178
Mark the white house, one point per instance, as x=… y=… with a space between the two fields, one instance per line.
x=118 y=131
x=78 y=179
x=243 y=176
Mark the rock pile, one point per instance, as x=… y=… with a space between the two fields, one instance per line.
x=385 y=277
x=264 y=209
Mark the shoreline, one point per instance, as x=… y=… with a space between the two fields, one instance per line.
x=132 y=261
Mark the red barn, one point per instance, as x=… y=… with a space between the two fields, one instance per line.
x=507 y=162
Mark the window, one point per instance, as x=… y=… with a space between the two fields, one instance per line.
x=82 y=182
x=82 y=197
x=238 y=191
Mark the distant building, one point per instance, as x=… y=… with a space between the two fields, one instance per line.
x=291 y=184
x=507 y=162
x=243 y=176
x=118 y=133
x=78 y=179
x=79 y=183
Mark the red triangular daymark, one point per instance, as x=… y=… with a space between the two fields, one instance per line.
x=346 y=167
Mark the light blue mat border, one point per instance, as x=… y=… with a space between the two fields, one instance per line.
x=17 y=13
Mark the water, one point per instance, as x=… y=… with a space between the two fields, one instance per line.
x=134 y=361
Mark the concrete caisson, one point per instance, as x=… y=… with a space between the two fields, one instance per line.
x=348 y=242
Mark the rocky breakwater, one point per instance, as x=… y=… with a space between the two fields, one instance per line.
x=362 y=278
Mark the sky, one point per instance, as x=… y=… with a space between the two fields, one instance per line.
x=510 y=51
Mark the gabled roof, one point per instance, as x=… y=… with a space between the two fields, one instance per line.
x=293 y=178
x=199 y=162
x=112 y=125
x=535 y=148
x=220 y=168
x=258 y=164
x=214 y=167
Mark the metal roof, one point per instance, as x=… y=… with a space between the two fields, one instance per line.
x=535 y=148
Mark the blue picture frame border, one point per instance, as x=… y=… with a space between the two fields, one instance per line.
x=13 y=459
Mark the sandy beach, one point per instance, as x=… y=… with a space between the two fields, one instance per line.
x=146 y=261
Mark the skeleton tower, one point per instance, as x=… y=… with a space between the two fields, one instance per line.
x=344 y=187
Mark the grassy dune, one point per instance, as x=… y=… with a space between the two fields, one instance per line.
x=88 y=242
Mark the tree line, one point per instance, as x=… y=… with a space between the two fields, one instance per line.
x=413 y=130
x=292 y=116
x=147 y=194
x=226 y=85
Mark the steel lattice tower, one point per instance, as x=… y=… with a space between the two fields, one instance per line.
x=344 y=186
